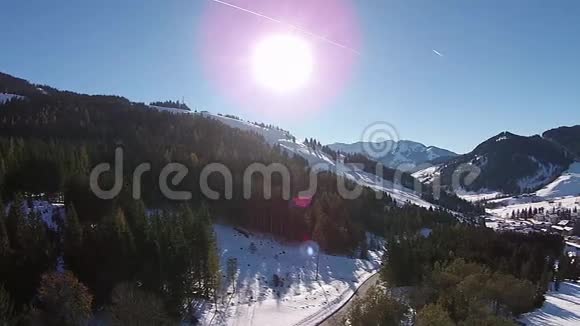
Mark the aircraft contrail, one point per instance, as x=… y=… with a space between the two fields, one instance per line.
x=437 y=53
x=319 y=37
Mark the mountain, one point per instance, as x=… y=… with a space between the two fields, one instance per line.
x=508 y=163
x=404 y=154
x=567 y=137
x=566 y=185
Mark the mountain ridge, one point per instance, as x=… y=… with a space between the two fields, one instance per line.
x=508 y=163
x=404 y=154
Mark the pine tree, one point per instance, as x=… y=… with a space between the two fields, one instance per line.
x=136 y=217
x=4 y=240
x=432 y=315
x=73 y=239
x=131 y=305
x=6 y=307
x=213 y=265
x=15 y=223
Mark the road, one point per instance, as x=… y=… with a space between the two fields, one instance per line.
x=335 y=318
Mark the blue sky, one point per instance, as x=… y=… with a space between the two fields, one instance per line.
x=506 y=65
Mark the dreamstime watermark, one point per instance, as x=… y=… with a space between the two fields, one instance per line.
x=380 y=139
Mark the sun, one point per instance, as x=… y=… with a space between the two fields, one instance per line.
x=282 y=63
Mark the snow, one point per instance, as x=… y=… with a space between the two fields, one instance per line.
x=566 y=185
x=475 y=196
x=321 y=161
x=564 y=192
x=5 y=97
x=519 y=203
x=49 y=212
x=272 y=136
x=543 y=175
x=170 y=110
x=42 y=90
x=561 y=308
x=404 y=155
x=316 y=158
x=428 y=174
x=301 y=299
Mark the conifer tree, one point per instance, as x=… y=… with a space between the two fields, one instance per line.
x=73 y=239
x=6 y=307
x=15 y=223
x=4 y=240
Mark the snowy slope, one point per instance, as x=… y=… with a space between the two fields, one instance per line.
x=564 y=192
x=543 y=175
x=300 y=300
x=322 y=161
x=561 y=308
x=272 y=136
x=568 y=184
x=4 y=97
x=316 y=158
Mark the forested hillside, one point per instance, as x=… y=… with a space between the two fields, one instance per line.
x=568 y=137
x=508 y=163
x=49 y=142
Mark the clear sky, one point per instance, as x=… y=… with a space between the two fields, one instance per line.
x=502 y=65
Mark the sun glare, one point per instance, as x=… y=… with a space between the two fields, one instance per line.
x=282 y=63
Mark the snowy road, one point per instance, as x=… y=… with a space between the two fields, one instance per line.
x=335 y=318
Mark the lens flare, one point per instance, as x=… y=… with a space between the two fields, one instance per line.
x=309 y=248
x=281 y=66
x=282 y=63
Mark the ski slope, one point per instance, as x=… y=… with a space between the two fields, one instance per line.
x=251 y=298
x=561 y=308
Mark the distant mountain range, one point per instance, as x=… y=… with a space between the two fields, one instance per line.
x=404 y=154
x=511 y=163
x=507 y=162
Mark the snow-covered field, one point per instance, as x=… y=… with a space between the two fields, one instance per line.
x=561 y=308
x=474 y=196
x=300 y=298
x=514 y=204
x=562 y=193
